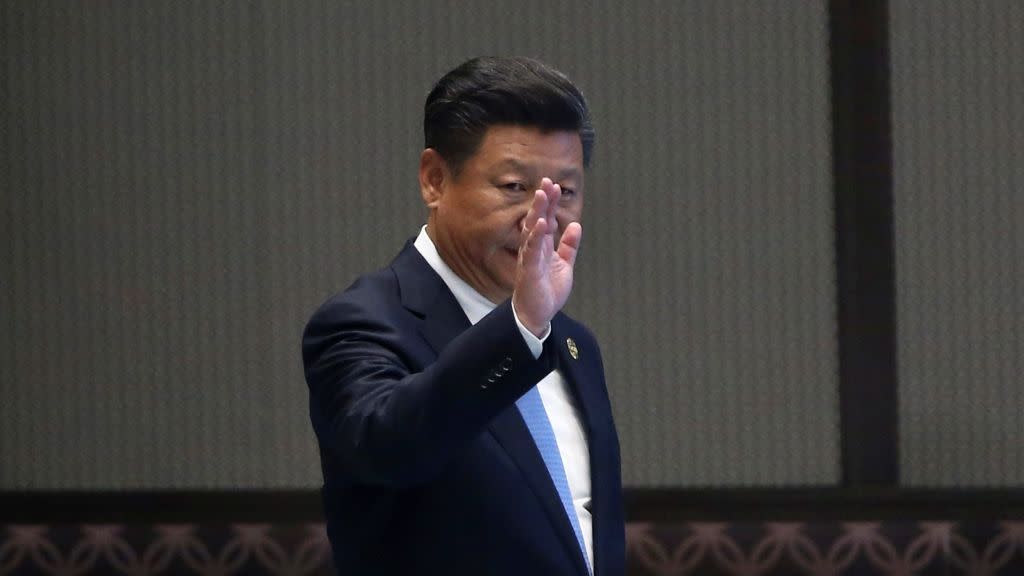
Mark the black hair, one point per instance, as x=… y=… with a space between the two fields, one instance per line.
x=488 y=91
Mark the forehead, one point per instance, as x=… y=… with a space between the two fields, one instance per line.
x=527 y=147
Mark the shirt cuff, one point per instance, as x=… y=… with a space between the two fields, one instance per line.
x=536 y=345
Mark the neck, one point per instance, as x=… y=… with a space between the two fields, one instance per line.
x=495 y=295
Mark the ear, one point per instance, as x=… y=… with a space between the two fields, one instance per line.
x=433 y=176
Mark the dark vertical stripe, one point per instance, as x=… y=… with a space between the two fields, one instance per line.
x=862 y=162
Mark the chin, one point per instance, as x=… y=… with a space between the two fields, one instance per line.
x=504 y=291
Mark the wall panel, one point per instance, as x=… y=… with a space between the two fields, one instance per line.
x=187 y=181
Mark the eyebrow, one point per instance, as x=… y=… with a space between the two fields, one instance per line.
x=513 y=164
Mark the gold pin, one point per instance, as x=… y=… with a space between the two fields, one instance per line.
x=573 y=350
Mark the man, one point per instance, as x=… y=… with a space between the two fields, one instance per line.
x=463 y=420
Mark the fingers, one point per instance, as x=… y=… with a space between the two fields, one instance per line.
x=541 y=218
x=553 y=192
x=535 y=240
x=569 y=245
x=538 y=209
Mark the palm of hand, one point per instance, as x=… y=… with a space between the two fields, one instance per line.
x=544 y=275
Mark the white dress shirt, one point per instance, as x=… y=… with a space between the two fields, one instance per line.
x=554 y=392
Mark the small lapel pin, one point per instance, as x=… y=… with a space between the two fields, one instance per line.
x=573 y=350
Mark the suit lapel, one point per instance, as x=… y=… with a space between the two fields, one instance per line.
x=424 y=293
x=580 y=372
x=443 y=322
x=511 y=432
x=585 y=380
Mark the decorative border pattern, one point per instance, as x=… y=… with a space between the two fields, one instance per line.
x=857 y=548
x=165 y=549
x=704 y=548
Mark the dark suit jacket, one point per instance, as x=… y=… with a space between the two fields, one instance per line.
x=428 y=466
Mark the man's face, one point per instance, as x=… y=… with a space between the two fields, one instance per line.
x=476 y=218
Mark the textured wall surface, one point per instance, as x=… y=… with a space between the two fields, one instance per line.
x=185 y=182
x=958 y=109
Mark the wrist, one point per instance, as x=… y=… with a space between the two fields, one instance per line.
x=538 y=329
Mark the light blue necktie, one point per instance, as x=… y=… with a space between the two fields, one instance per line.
x=532 y=409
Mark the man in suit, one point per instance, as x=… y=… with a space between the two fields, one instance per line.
x=463 y=419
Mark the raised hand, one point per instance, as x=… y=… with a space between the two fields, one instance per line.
x=544 y=273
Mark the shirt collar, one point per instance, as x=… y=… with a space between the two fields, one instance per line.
x=473 y=304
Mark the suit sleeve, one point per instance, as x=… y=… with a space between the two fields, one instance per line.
x=381 y=423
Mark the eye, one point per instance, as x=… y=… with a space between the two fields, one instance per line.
x=568 y=192
x=513 y=186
